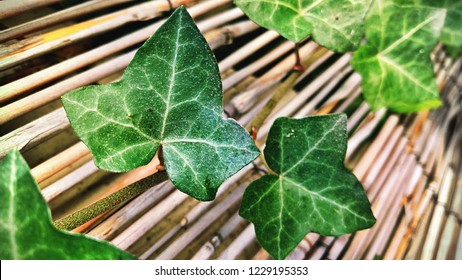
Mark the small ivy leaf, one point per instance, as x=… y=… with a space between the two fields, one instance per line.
x=334 y=24
x=311 y=191
x=395 y=64
x=170 y=95
x=26 y=230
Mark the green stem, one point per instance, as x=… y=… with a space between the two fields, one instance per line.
x=86 y=214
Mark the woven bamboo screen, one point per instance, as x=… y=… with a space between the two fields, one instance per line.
x=410 y=164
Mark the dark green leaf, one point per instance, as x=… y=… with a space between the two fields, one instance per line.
x=26 y=230
x=311 y=190
x=170 y=95
x=395 y=65
x=335 y=24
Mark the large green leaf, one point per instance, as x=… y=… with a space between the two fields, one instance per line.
x=335 y=24
x=451 y=35
x=170 y=95
x=26 y=230
x=395 y=64
x=311 y=190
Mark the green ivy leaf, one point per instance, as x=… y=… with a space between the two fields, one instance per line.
x=451 y=35
x=335 y=24
x=395 y=64
x=170 y=95
x=311 y=191
x=26 y=230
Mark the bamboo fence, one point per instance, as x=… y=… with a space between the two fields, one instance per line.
x=410 y=165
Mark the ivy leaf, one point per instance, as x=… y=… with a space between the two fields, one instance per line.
x=170 y=95
x=451 y=35
x=335 y=24
x=311 y=189
x=395 y=64
x=26 y=230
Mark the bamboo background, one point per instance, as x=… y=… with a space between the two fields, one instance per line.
x=410 y=164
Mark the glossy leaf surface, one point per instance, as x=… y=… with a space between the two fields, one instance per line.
x=170 y=96
x=26 y=229
x=395 y=64
x=335 y=24
x=311 y=189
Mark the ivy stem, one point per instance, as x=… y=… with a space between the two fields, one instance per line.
x=84 y=215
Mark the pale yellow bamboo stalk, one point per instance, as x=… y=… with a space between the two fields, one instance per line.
x=57 y=17
x=225 y=35
x=209 y=248
x=58 y=162
x=12 y=8
x=118 y=221
x=195 y=230
x=245 y=238
x=65 y=183
x=363 y=166
x=27 y=83
x=362 y=132
x=307 y=91
x=52 y=40
x=247 y=50
x=33 y=133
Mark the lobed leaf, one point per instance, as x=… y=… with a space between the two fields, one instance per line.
x=395 y=64
x=170 y=96
x=26 y=229
x=311 y=190
x=335 y=24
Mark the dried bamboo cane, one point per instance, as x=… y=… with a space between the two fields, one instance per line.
x=34 y=132
x=247 y=50
x=38 y=45
x=302 y=96
x=12 y=8
x=187 y=220
x=195 y=230
x=127 y=214
x=67 y=182
x=58 y=162
x=22 y=85
x=246 y=237
x=209 y=248
x=57 y=17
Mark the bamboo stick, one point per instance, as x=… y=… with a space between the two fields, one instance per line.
x=246 y=237
x=256 y=65
x=331 y=82
x=65 y=183
x=38 y=45
x=361 y=134
x=53 y=92
x=226 y=34
x=209 y=248
x=127 y=214
x=33 y=133
x=363 y=166
x=12 y=8
x=302 y=96
x=58 y=162
x=195 y=230
x=188 y=219
x=57 y=17
x=22 y=85
x=247 y=50
x=64 y=171
x=222 y=18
